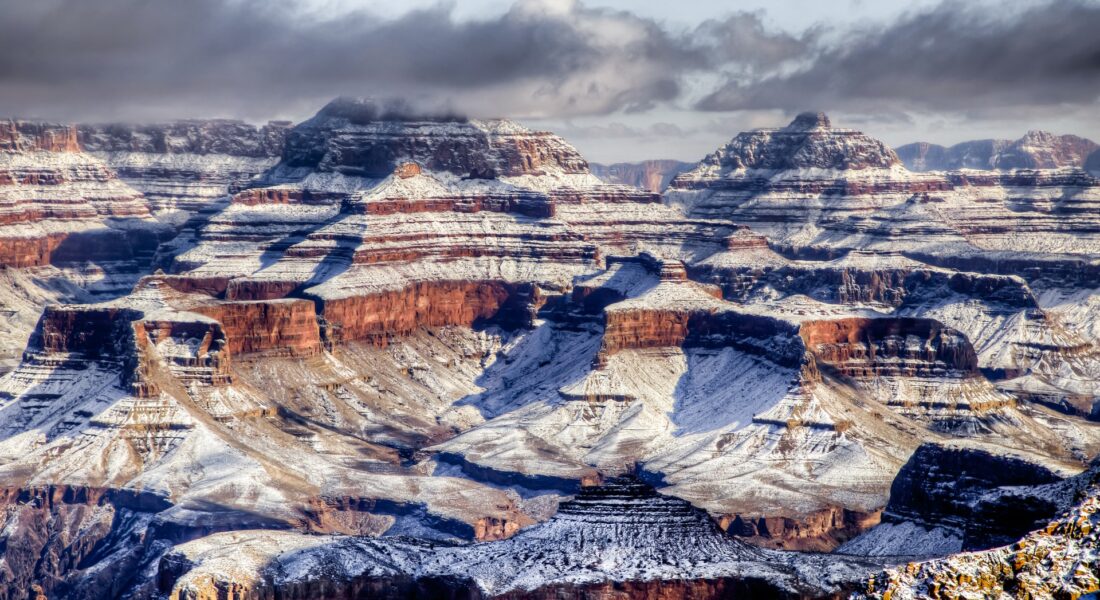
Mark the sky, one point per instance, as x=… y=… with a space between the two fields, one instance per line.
x=621 y=80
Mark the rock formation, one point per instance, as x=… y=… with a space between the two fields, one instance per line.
x=875 y=233
x=964 y=497
x=1054 y=561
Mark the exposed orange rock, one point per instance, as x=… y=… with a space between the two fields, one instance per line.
x=377 y=318
x=208 y=362
x=819 y=531
x=407 y=170
x=25 y=136
x=278 y=327
x=283 y=195
x=861 y=347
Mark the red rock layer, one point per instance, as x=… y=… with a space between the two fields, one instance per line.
x=862 y=348
x=283 y=327
x=211 y=286
x=95 y=332
x=820 y=531
x=282 y=195
x=655 y=328
x=24 y=136
x=29 y=252
x=645 y=328
x=377 y=318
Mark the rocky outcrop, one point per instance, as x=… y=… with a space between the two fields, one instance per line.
x=652 y=175
x=809 y=141
x=285 y=327
x=1035 y=150
x=59 y=205
x=92 y=332
x=820 y=531
x=51 y=533
x=357 y=137
x=866 y=348
x=29 y=136
x=1056 y=561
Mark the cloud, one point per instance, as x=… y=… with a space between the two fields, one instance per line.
x=953 y=58
x=256 y=58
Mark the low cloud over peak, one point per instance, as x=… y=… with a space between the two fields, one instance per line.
x=563 y=63
x=252 y=58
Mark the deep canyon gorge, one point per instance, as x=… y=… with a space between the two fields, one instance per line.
x=378 y=356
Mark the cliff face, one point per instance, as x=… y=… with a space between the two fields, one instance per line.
x=354 y=138
x=380 y=317
x=950 y=487
x=277 y=327
x=867 y=348
x=808 y=142
x=27 y=136
x=58 y=204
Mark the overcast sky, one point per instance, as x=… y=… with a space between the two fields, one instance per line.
x=621 y=80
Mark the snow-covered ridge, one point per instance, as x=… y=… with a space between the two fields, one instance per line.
x=620 y=531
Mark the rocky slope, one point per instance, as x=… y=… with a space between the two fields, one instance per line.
x=1056 y=560
x=965 y=497
x=1035 y=150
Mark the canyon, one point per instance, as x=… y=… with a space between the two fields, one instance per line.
x=390 y=355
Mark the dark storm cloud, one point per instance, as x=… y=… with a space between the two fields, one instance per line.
x=152 y=58
x=954 y=58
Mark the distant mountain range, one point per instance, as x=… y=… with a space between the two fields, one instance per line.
x=1035 y=150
